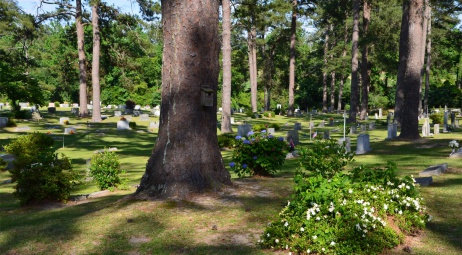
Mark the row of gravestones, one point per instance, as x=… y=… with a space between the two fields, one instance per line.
x=363 y=141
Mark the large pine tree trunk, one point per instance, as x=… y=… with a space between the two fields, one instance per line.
x=186 y=158
x=293 y=31
x=324 y=73
x=429 y=56
x=365 y=67
x=83 y=112
x=409 y=69
x=354 y=64
x=226 y=90
x=96 y=115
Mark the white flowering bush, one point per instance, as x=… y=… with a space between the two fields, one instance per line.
x=347 y=214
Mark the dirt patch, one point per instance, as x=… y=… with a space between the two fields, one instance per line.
x=139 y=239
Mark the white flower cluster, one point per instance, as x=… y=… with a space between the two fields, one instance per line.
x=368 y=219
x=312 y=211
x=453 y=144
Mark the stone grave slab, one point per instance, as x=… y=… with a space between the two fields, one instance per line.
x=292 y=135
x=144 y=117
x=242 y=130
x=75 y=110
x=117 y=113
x=423 y=181
x=347 y=142
x=3 y=121
x=62 y=120
x=22 y=129
x=298 y=126
x=434 y=170
x=270 y=131
x=70 y=130
x=362 y=144
x=123 y=125
x=326 y=135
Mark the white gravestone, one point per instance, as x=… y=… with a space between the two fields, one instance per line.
x=270 y=131
x=347 y=142
x=363 y=144
x=117 y=113
x=426 y=128
x=51 y=104
x=70 y=130
x=63 y=119
x=232 y=120
x=436 y=129
x=380 y=112
x=123 y=125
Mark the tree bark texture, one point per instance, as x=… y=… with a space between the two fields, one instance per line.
x=96 y=115
x=354 y=64
x=186 y=158
x=252 y=45
x=410 y=69
x=429 y=56
x=324 y=73
x=365 y=66
x=83 y=111
x=226 y=90
x=293 y=33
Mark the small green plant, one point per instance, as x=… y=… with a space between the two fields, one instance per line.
x=325 y=158
x=265 y=126
x=226 y=140
x=11 y=123
x=38 y=172
x=132 y=125
x=437 y=118
x=258 y=154
x=56 y=104
x=276 y=126
x=269 y=114
x=105 y=170
x=3 y=164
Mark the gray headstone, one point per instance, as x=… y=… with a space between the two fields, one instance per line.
x=353 y=130
x=326 y=135
x=362 y=144
x=75 y=110
x=242 y=130
x=363 y=127
x=292 y=136
x=123 y=125
x=445 y=125
x=371 y=125
x=52 y=109
x=3 y=121
x=434 y=170
x=424 y=181
x=298 y=126
x=392 y=131
x=321 y=124
x=331 y=123
x=347 y=141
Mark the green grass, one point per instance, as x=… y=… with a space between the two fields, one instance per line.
x=117 y=224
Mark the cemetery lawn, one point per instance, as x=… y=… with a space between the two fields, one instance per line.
x=229 y=222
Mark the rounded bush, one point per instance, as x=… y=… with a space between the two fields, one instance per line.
x=105 y=169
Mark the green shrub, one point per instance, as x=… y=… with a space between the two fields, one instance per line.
x=325 y=158
x=3 y=164
x=347 y=214
x=11 y=123
x=132 y=125
x=265 y=126
x=226 y=140
x=437 y=118
x=38 y=172
x=105 y=170
x=269 y=114
x=275 y=126
x=258 y=154
x=56 y=104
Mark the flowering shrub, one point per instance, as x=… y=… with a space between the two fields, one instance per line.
x=453 y=144
x=105 y=169
x=326 y=158
x=258 y=154
x=347 y=213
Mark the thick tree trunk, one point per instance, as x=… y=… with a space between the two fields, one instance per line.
x=186 y=158
x=96 y=115
x=324 y=73
x=83 y=111
x=409 y=69
x=226 y=90
x=252 y=37
x=365 y=69
x=354 y=64
x=429 y=57
x=293 y=31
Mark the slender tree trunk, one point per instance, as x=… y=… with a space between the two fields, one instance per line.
x=424 y=43
x=252 y=37
x=428 y=16
x=293 y=30
x=354 y=64
x=332 y=91
x=226 y=90
x=342 y=77
x=410 y=69
x=96 y=115
x=324 y=73
x=83 y=111
x=365 y=69
x=186 y=158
